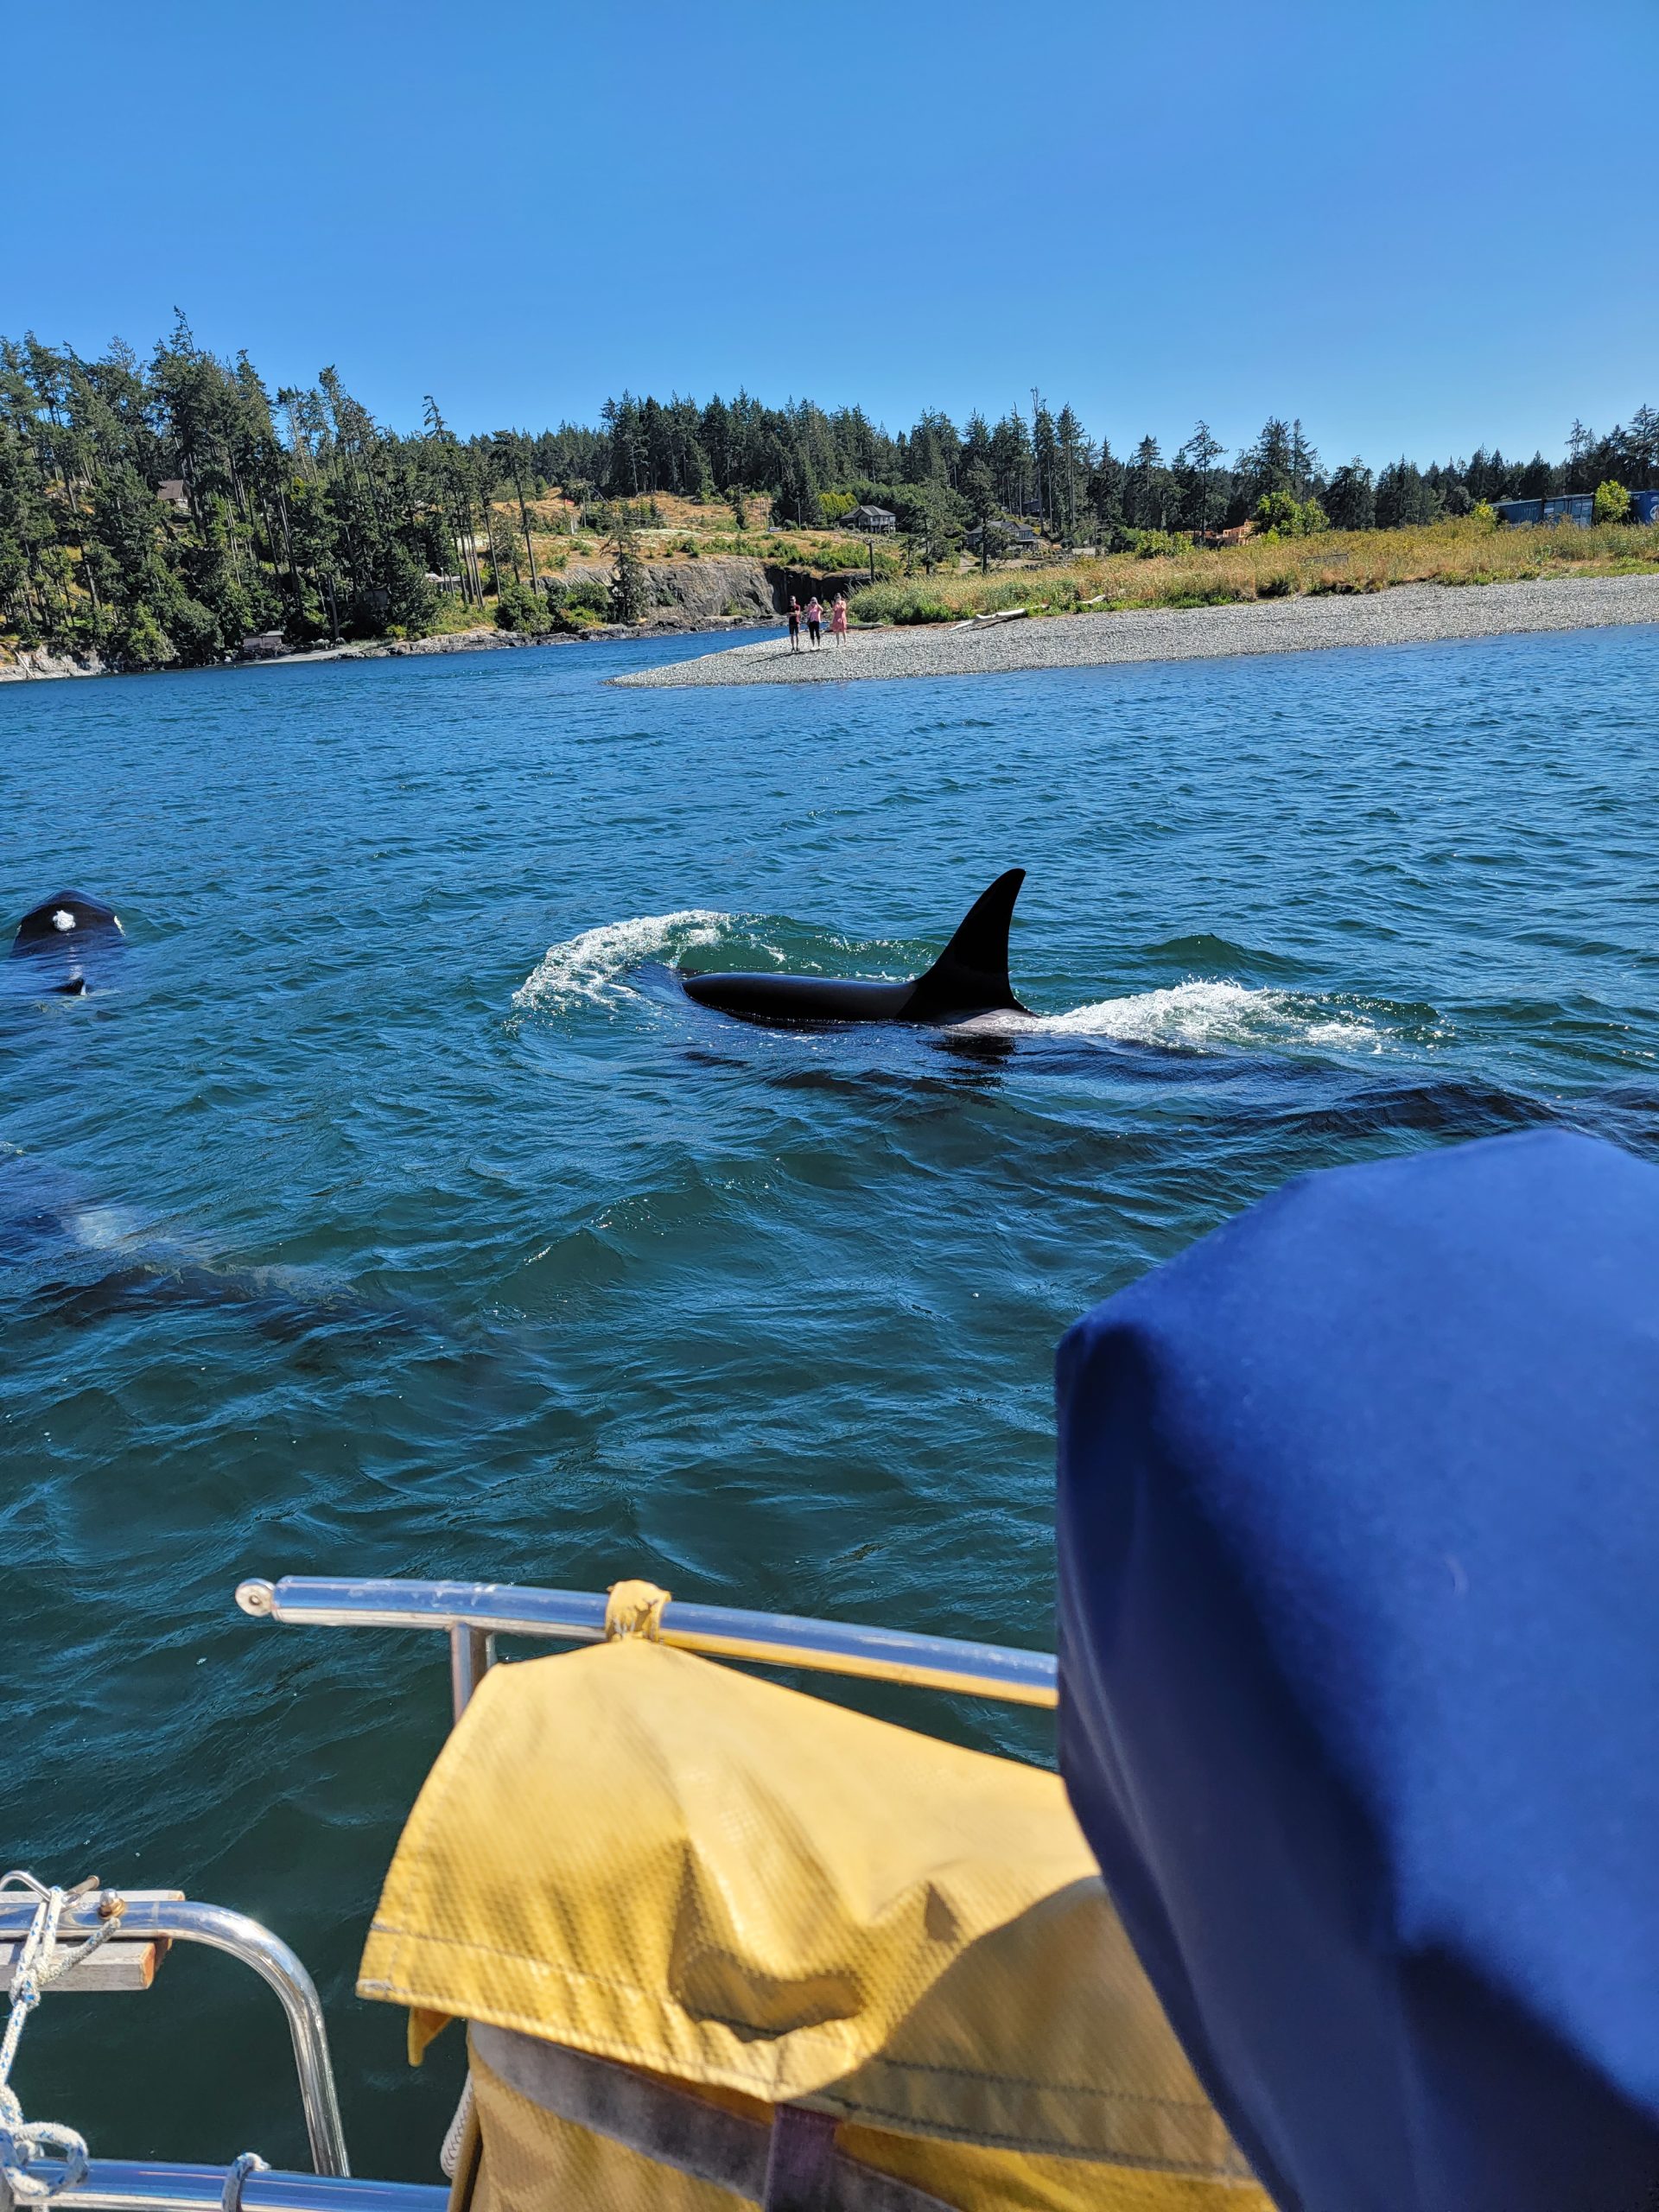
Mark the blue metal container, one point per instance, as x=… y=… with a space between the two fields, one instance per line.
x=1644 y=506
x=1519 y=511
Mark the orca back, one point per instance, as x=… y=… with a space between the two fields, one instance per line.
x=969 y=977
x=68 y=923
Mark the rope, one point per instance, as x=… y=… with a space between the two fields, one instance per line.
x=455 y=2133
x=634 y=1609
x=41 y=1960
x=237 y=2172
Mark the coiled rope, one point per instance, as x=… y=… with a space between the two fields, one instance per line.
x=41 y=1960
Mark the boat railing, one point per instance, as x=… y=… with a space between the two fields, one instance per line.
x=145 y=1917
x=472 y=1614
x=145 y=2185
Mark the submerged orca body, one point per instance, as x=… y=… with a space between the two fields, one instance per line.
x=970 y=976
x=63 y=931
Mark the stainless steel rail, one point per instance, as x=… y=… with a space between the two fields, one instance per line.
x=472 y=1612
x=244 y=1939
x=137 y=2185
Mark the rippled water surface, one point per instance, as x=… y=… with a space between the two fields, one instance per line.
x=386 y=1208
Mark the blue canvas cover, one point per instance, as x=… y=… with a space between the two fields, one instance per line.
x=1359 y=1594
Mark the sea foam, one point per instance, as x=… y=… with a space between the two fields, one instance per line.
x=1204 y=1016
x=588 y=970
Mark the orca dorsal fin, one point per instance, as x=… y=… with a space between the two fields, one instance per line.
x=971 y=975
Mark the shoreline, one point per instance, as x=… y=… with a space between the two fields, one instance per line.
x=1424 y=614
x=45 y=667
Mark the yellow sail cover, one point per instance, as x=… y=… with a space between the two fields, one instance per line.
x=766 y=1899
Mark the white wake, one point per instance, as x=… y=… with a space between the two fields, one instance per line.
x=588 y=970
x=1200 y=1016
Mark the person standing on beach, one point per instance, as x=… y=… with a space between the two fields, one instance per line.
x=794 y=626
x=815 y=621
x=838 y=618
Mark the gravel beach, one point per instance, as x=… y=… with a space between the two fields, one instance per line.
x=1410 y=614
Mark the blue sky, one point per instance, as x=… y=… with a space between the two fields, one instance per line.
x=1416 y=225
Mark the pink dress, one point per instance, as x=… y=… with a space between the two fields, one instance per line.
x=838 y=618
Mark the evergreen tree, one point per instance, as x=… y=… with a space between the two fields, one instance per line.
x=1071 y=459
x=1270 y=464
x=1196 y=473
x=1351 y=497
x=1105 y=494
x=979 y=489
x=1405 y=497
x=630 y=586
x=1149 y=488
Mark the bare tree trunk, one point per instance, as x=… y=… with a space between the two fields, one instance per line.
x=524 y=517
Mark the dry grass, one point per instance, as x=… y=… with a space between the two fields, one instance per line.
x=1468 y=552
x=690 y=530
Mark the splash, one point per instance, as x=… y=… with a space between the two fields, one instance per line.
x=590 y=969
x=1208 y=1017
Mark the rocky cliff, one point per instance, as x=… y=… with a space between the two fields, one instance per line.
x=700 y=589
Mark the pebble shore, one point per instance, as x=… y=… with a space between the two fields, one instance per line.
x=1410 y=614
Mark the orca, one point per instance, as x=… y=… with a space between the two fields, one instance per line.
x=63 y=931
x=970 y=976
x=82 y=1259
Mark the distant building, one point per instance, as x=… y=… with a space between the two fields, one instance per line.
x=172 y=494
x=1011 y=536
x=1578 y=507
x=877 y=520
x=264 y=645
x=1237 y=534
x=441 y=583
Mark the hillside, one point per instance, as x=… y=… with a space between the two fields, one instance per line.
x=156 y=513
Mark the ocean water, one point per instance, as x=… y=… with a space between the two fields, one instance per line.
x=386 y=1208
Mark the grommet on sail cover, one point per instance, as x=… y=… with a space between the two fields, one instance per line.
x=634 y=1609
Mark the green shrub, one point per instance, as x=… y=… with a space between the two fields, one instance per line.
x=143 y=642
x=589 y=593
x=1278 y=515
x=1160 y=544
x=1612 y=503
x=517 y=607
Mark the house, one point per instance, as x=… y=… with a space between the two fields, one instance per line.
x=264 y=645
x=172 y=494
x=878 y=521
x=1006 y=537
x=1237 y=534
